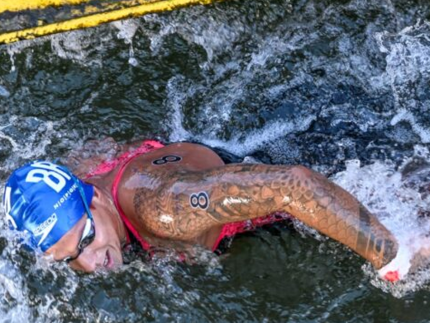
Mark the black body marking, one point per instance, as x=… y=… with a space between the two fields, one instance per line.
x=166 y=159
x=199 y=200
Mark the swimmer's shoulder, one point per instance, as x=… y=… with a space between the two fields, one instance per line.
x=148 y=175
x=177 y=156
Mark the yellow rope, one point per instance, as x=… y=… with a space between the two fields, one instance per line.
x=87 y=21
x=19 y=5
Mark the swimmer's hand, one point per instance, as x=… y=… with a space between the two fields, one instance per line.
x=410 y=257
x=398 y=268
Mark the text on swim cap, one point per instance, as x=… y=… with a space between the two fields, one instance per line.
x=66 y=196
x=51 y=174
x=45 y=228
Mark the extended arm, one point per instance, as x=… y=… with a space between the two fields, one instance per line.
x=238 y=192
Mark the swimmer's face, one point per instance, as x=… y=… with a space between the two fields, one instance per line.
x=104 y=252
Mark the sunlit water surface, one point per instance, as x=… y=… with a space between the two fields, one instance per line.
x=339 y=86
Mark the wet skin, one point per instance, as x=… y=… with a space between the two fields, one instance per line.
x=181 y=195
x=105 y=251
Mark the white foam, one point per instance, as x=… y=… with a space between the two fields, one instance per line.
x=11 y=286
x=127 y=30
x=12 y=283
x=255 y=139
x=175 y=100
x=16 y=48
x=76 y=45
x=407 y=64
x=8 y=138
x=407 y=116
x=212 y=33
x=381 y=188
x=241 y=144
x=36 y=146
x=71 y=45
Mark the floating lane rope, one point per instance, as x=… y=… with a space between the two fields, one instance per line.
x=20 y=5
x=43 y=15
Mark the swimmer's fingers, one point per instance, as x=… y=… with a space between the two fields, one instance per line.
x=397 y=269
x=410 y=258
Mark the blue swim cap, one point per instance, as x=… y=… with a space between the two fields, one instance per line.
x=44 y=199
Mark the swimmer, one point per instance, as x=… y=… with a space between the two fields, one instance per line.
x=179 y=196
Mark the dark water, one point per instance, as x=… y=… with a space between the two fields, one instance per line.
x=318 y=83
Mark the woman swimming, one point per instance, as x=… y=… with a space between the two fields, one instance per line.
x=180 y=196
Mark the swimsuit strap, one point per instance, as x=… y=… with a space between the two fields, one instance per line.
x=147 y=146
x=108 y=165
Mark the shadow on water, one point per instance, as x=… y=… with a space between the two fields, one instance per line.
x=318 y=83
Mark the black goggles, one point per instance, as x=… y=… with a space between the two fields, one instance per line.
x=89 y=232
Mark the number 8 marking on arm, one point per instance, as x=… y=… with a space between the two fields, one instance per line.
x=199 y=200
x=167 y=159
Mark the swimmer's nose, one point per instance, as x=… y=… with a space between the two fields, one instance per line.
x=86 y=263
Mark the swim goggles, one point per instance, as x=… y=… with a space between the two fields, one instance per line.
x=89 y=232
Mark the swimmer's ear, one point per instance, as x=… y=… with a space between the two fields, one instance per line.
x=97 y=192
x=97 y=197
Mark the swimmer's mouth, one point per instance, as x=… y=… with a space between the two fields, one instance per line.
x=108 y=260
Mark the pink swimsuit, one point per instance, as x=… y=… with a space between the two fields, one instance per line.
x=228 y=230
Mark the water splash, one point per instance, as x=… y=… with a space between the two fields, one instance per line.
x=249 y=143
x=15 y=297
x=232 y=76
x=407 y=73
x=407 y=116
x=240 y=144
x=127 y=30
x=388 y=193
x=16 y=48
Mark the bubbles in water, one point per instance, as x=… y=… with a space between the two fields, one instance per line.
x=407 y=55
x=71 y=45
x=240 y=144
x=14 y=304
